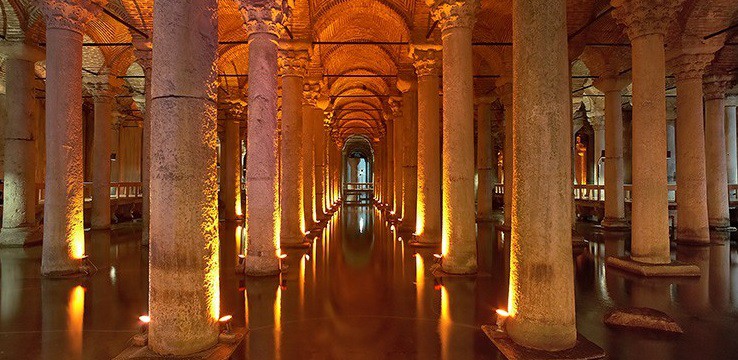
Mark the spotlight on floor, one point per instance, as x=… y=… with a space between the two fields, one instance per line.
x=142 y=338
x=226 y=334
x=502 y=315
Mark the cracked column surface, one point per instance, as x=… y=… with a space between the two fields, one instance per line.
x=263 y=24
x=19 y=195
x=428 y=217
x=459 y=247
x=485 y=159
x=292 y=60
x=646 y=23
x=184 y=292
x=409 y=88
x=717 y=177
x=231 y=182
x=64 y=248
x=691 y=195
x=615 y=199
x=103 y=129
x=541 y=301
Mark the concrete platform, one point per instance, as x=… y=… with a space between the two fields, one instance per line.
x=220 y=351
x=673 y=269
x=583 y=350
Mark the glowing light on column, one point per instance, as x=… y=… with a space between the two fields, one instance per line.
x=77 y=244
x=212 y=273
x=75 y=319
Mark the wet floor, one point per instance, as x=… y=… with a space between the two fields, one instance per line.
x=359 y=293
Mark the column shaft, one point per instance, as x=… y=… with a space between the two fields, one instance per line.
x=101 y=163
x=308 y=167
x=507 y=159
x=398 y=152
x=717 y=177
x=541 y=304
x=428 y=226
x=389 y=180
x=231 y=181
x=614 y=166
x=410 y=166
x=319 y=156
x=731 y=143
x=485 y=171
x=291 y=199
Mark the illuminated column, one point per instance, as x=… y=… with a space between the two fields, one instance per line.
x=103 y=95
x=184 y=293
x=63 y=244
x=389 y=180
x=598 y=124
x=541 y=300
x=485 y=160
x=646 y=23
x=459 y=248
x=730 y=139
x=407 y=84
x=614 y=192
x=319 y=156
x=142 y=52
x=428 y=224
x=230 y=184
x=717 y=177
x=377 y=168
x=671 y=116
x=691 y=195
x=504 y=90
x=264 y=22
x=309 y=98
x=19 y=195
x=293 y=59
x=398 y=153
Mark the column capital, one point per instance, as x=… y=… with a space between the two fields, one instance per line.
x=406 y=80
x=597 y=122
x=731 y=101
x=265 y=16
x=645 y=17
x=142 y=51
x=426 y=59
x=104 y=87
x=671 y=109
x=310 y=93
x=715 y=86
x=690 y=66
x=453 y=13
x=70 y=15
x=611 y=84
x=236 y=109
x=395 y=104
x=21 y=51
x=293 y=62
x=504 y=91
x=484 y=100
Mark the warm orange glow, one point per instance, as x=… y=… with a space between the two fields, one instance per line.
x=226 y=318
x=301 y=279
x=144 y=319
x=502 y=313
x=75 y=319
x=419 y=283
x=444 y=325
x=212 y=273
x=239 y=244
x=278 y=323
x=77 y=245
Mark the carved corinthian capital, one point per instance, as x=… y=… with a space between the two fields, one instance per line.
x=293 y=62
x=266 y=16
x=310 y=93
x=715 y=86
x=426 y=59
x=70 y=15
x=690 y=66
x=646 y=17
x=453 y=13
x=236 y=109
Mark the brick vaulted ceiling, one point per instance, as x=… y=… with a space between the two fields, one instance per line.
x=597 y=45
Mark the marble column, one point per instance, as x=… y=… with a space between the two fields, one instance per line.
x=504 y=91
x=646 y=23
x=459 y=248
x=717 y=178
x=691 y=195
x=319 y=157
x=309 y=98
x=407 y=84
x=293 y=59
x=428 y=217
x=541 y=305
x=671 y=116
x=398 y=153
x=142 y=52
x=389 y=163
x=63 y=250
x=103 y=94
x=598 y=124
x=614 y=167
x=731 y=144
x=20 y=137
x=184 y=292
x=264 y=23
x=230 y=184
x=485 y=160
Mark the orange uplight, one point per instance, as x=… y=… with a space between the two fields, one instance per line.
x=226 y=318
x=144 y=319
x=502 y=313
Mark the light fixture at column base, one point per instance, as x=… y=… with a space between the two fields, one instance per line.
x=583 y=350
x=673 y=269
x=417 y=242
x=21 y=236
x=223 y=350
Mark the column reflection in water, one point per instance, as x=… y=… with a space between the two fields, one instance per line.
x=456 y=326
x=262 y=314
x=63 y=308
x=720 y=271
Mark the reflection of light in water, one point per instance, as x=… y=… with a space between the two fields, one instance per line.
x=361 y=225
x=444 y=325
x=419 y=282
x=301 y=279
x=75 y=319
x=113 y=276
x=278 y=322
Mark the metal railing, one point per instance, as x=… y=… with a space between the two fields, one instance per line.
x=118 y=191
x=590 y=192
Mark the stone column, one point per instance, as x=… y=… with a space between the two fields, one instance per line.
x=731 y=144
x=428 y=218
x=485 y=160
x=646 y=23
x=64 y=248
x=103 y=95
x=504 y=90
x=309 y=98
x=408 y=85
x=264 y=22
x=389 y=163
x=671 y=116
x=691 y=195
x=598 y=124
x=293 y=59
x=541 y=305
x=614 y=167
x=184 y=289
x=230 y=185
x=319 y=156
x=398 y=139
x=459 y=248
x=717 y=177
x=142 y=51
x=19 y=168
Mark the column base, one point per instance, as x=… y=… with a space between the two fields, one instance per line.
x=261 y=265
x=223 y=350
x=439 y=272
x=296 y=245
x=425 y=241
x=84 y=269
x=584 y=349
x=21 y=236
x=673 y=269
x=615 y=224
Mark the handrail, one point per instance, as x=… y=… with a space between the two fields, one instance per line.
x=595 y=192
x=118 y=190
